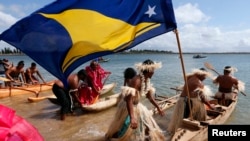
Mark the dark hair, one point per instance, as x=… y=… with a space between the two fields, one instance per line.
x=225 y=69
x=129 y=73
x=147 y=62
x=20 y=63
x=82 y=72
x=203 y=69
x=33 y=64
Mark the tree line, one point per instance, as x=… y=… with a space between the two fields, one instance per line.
x=8 y=50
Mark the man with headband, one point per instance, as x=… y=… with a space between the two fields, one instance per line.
x=228 y=86
x=133 y=120
x=198 y=94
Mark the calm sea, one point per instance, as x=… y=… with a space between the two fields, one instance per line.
x=92 y=126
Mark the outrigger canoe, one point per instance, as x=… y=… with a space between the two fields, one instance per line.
x=106 y=89
x=192 y=130
x=26 y=89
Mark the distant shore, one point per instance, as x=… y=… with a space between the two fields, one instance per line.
x=147 y=52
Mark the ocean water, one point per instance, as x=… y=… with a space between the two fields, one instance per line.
x=92 y=126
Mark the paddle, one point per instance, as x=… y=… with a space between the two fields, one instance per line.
x=106 y=79
x=210 y=66
x=176 y=89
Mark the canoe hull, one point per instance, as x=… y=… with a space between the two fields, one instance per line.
x=106 y=89
x=103 y=103
x=37 y=99
x=199 y=130
x=105 y=92
x=30 y=89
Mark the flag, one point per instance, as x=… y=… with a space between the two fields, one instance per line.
x=67 y=33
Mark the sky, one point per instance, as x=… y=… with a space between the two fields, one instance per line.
x=203 y=25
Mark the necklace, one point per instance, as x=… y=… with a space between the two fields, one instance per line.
x=145 y=86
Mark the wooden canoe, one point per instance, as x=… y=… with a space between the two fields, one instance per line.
x=165 y=102
x=105 y=92
x=40 y=98
x=26 y=89
x=107 y=89
x=102 y=103
x=198 y=131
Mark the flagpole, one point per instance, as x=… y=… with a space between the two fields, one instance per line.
x=183 y=71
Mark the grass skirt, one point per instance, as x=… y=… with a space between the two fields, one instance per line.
x=198 y=112
x=144 y=119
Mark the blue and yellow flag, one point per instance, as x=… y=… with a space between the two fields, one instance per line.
x=67 y=33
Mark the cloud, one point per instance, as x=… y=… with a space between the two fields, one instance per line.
x=189 y=13
x=6 y=20
x=196 y=35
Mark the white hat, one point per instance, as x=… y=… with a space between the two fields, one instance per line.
x=150 y=66
x=201 y=71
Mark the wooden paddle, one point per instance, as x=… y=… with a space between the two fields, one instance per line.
x=106 y=79
x=176 y=89
x=210 y=66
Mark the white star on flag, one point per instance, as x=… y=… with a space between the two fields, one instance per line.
x=151 y=11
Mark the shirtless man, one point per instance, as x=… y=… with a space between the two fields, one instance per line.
x=228 y=85
x=29 y=74
x=14 y=72
x=64 y=95
x=197 y=93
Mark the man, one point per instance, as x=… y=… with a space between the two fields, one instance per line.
x=132 y=120
x=14 y=72
x=197 y=94
x=96 y=74
x=65 y=94
x=5 y=65
x=29 y=74
x=228 y=86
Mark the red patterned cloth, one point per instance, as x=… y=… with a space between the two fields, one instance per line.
x=15 y=128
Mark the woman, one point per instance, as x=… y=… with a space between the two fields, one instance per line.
x=133 y=121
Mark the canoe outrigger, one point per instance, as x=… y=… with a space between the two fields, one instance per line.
x=26 y=89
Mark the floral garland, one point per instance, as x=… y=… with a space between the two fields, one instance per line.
x=145 y=86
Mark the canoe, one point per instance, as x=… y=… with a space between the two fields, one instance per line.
x=102 y=103
x=106 y=89
x=103 y=60
x=37 y=99
x=192 y=130
x=26 y=89
x=164 y=102
x=105 y=92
